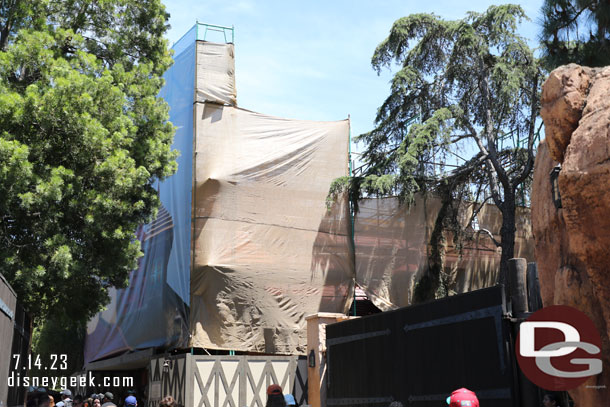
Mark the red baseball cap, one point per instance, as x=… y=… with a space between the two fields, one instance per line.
x=463 y=398
x=274 y=389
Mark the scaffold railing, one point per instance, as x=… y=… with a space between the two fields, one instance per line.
x=227 y=32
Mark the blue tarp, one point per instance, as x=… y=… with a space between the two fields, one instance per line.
x=153 y=311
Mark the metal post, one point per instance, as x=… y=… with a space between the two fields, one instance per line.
x=517 y=284
x=518 y=289
x=533 y=288
x=351 y=206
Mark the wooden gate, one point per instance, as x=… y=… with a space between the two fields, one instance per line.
x=15 y=337
x=236 y=381
x=417 y=355
x=8 y=303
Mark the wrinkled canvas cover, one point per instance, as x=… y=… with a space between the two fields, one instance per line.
x=215 y=80
x=392 y=245
x=267 y=252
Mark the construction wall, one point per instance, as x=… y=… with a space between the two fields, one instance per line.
x=244 y=246
x=392 y=248
x=254 y=248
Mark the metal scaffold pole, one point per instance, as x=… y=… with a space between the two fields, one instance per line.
x=351 y=205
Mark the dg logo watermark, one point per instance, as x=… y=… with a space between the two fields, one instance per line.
x=559 y=348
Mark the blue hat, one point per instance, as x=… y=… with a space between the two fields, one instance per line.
x=131 y=401
x=290 y=401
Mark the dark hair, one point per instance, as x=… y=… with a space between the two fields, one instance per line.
x=168 y=401
x=276 y=400
x=553 y=397
x=78 y=398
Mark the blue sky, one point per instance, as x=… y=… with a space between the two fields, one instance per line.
x=310 y=59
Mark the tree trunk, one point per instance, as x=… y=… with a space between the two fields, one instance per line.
x=507 y=235
x=429 y=286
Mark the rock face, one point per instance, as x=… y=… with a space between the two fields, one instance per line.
x=563 y=99
x=573 y=243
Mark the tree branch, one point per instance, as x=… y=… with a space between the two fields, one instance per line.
x=572 y=20
x=6 y=30
x=489 y=130
x=493 y=181
x=491 y=236
x=459 y=137
x=476 y=211
x=530 y=138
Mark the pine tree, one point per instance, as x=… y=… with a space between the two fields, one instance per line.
x=83 y=136
x=576 y=31
x=467 y=88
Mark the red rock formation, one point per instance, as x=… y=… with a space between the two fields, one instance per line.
x=573 y=243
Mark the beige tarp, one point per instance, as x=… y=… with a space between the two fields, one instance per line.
x=215 y=80
x=392 y=244
x=267 y=252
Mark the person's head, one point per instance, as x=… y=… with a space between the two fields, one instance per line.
x=51 y=401
x=88 y=402
x=131 y=401
x=96 y=402
x=274 y=389
x=396 y=404
x=41 y=397
x=44 y=401
x=168 y=401
x=550 y=400
x=463 y=397
x=275 y=397
x=66 y=394
x=108 y=397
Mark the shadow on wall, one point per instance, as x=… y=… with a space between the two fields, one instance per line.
x=332 y=259
x=393 y=244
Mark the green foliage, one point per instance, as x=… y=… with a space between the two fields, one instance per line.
x=59 y=336
x=576 y=31
x=83 y=137
x=464 y=94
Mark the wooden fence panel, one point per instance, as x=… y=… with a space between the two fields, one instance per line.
x=238 y=381
x=168 y=381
